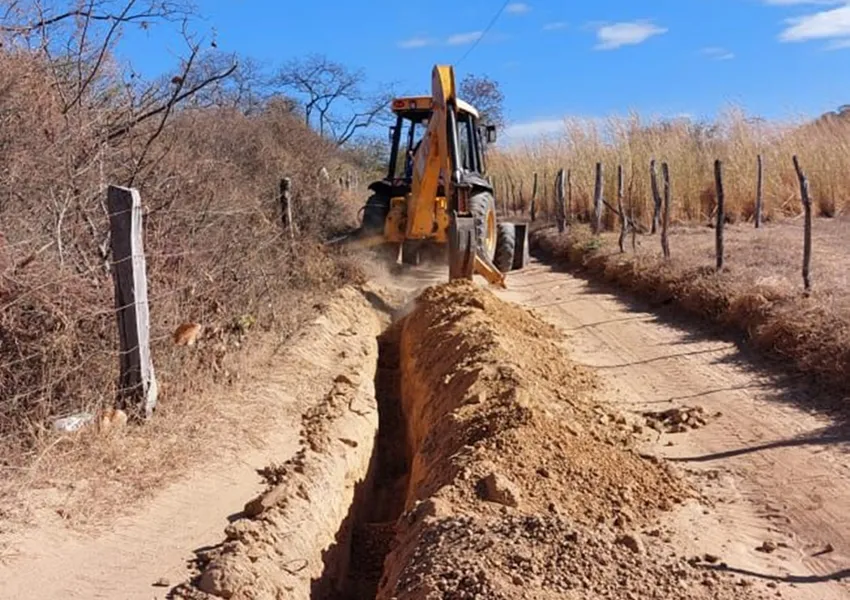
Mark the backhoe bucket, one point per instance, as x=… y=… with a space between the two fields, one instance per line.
x=461 y=247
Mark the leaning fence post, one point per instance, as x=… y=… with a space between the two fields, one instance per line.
x=807 y=232
x=533 y=208
x=665 y=223
x=286 y=206
x=597 y=200
x=759 y=190
x=137 y=388
x=560 y=211
x=656 y=196
x=622 y=240
x=721 y=212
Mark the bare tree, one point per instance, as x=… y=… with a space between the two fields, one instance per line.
x=105 y=109
x=486 y=95
x=333 y=98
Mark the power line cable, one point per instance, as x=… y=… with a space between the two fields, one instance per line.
x=486 y=30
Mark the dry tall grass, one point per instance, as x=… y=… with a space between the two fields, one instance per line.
x=216 y=253
x=690 y=150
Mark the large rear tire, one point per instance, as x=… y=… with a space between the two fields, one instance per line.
x=483 y=208
x=505 y=247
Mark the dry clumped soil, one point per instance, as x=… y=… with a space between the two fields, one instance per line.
x=498 y=476
x=521 y=485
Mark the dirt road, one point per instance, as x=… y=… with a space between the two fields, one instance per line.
x=777 y=473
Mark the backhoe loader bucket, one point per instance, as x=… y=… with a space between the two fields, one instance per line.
x=462 y=245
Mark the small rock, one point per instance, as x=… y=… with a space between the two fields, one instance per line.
x=767 y=547
x=162 y=582
x=495 y=487
x=710 y=558
x=632 y=542
x=517 y=580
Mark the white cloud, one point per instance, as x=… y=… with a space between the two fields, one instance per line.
x=517 y=8
x=459 y=39
x=555 y=26
x=826 y=24
x=718 y=53
x=798 y=2
x=415 y=42
x=617 y=35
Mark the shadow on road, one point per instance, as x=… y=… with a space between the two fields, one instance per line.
x=778 y=380
x=798 y=579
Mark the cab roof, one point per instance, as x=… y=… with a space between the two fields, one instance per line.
x=419 y=107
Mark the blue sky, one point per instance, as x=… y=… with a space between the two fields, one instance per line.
x=554 y=58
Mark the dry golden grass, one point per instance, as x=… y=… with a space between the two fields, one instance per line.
x=759 y=292
x=690 y=150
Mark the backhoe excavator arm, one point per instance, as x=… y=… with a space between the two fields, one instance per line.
x=436 y=156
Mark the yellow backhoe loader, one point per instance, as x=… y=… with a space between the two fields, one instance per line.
x=436 y=195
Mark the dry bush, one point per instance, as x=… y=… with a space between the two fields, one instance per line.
x=690 y=150
x=216 y=251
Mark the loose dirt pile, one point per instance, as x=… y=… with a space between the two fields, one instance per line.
x=495 y=475
x=520 y=486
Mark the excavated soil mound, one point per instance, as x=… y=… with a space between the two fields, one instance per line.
x=493 y=474
x=520 y=486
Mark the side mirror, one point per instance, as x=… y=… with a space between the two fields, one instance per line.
x=491 y=134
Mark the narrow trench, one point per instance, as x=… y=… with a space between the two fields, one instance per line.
x=363 y=541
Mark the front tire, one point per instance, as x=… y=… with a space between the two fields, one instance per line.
x=375 y=214
x=411 y=253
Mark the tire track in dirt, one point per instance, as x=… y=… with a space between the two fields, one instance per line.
x=775 y=472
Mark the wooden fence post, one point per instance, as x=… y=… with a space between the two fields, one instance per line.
x=807 y=232
x=560 y=212
x=632 y=219
x=521 y=202
x=622 y=211
x=569 y=210
x=721 y=212
x=137 y=387
x=759 y=190
x=533 y=208
x=597 y=200
x=286 y=206
x=665 y=223
x=656 y=197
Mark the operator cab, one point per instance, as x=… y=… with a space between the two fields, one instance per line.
x=412 y=115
